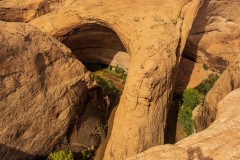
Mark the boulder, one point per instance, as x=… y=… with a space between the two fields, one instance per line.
x=45 y=95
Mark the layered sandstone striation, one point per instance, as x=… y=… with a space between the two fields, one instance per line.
x=154 y=42
x=220 y=141
x=44 y=92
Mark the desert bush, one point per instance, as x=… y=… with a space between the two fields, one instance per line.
x=185 y=118
x=205 y=67
x=60 y=155
x=190 y=98
x=108 y=88
x=87 y=154
x=205 y=86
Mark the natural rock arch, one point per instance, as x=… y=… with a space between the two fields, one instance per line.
x=154 y=42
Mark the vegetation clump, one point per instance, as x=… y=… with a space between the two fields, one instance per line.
x=108 y=88
x=207 y=84
x=117 y=71
x=190 y=98
x=88 y=154
x=60 y=155
x=185 y=118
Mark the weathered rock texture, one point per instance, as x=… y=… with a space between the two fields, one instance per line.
x=220 y=141
x=24 y=11
x=190 y=75
x=44 y=91
x=154 y=42
x=214 y=38
x=213 y=41
x=228 y=82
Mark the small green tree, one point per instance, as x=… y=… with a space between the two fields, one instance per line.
x=190 y=98
x=185 y=117
x=60 y=155
x=207 y=84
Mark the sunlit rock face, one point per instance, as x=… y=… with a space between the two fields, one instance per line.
x=24 y=11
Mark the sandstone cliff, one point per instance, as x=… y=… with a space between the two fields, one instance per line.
x=220 y=141
x=228 y=82
x=213 y=41
x=44 y=91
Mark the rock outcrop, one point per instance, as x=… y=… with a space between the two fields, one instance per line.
x=154 y=42
x=213 y=42
x=24 y=11
x=228 y=82
x=214 y=38
x=44 y=92
x=220 y=141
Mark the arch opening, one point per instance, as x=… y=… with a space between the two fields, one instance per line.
x=94 y=43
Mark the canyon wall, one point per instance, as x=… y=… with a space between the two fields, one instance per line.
x=43 y=78
x=214 y=40
x=228 y=82
x=219 y=141
x=212 y=44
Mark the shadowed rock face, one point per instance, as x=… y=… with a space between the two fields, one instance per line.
x=220 y=140
x=154 y=42
x=44 y=94
x=96 y=43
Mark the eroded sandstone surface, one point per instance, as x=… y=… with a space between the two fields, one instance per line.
x=154 y=42
x=228 y=82
x=24 y=11
x=219 y=141
x=213 y=41
x=44 y=87
x=44 y=92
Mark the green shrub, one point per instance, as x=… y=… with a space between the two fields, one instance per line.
x=119 y=70
x=60 y=155
x=204 y=88
x=87 y=154
x=207 y=84
x=185 y=118
x=205 y=67
x=190 y=98
x=108 y=88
